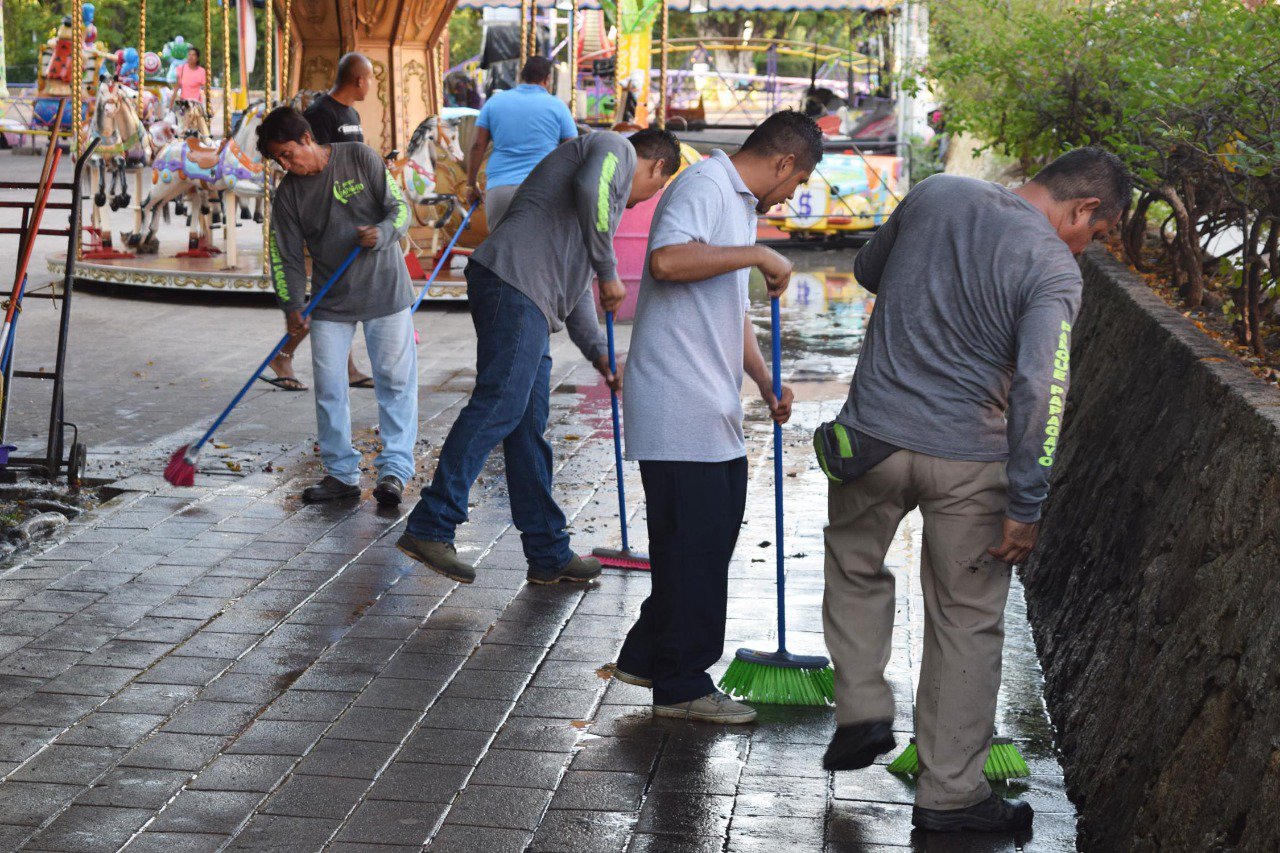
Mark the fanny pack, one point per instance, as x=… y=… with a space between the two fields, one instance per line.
x=845 y=454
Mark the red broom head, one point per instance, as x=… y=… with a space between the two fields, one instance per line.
x=619 y=559
x=179 y=471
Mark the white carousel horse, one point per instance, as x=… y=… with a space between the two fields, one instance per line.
x=192 y=166
x=124 y=143
x=181 y=118
x=432 y=141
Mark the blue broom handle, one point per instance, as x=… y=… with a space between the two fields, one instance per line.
x=775 y=324
x=617 y=432
x=306 y=312
x=444 y=256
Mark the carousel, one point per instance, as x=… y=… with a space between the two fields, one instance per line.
x=180 y=198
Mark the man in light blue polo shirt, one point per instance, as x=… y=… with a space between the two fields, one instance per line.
x=526 y=124
x=691 y=345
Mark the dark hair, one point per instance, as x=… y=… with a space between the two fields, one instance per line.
x=192 y=47
x=536 y=70
x=283 y=124
x=347 y=67
x=787 y=132
x=1089 y=172
x=653 y=144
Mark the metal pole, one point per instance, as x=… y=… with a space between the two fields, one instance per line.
x=77 y=93
x=286 y=66
x=269 y=71
x=226 y=67
x=524 y=31
x=662 y=72
x=573 y=59
x=142 y=52
x=207 y=56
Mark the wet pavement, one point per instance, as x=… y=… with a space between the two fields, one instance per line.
x=222 y=667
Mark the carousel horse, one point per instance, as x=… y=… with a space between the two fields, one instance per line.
x=205 y=169
x=181 y=118
x=433 y=141
x=124 y=144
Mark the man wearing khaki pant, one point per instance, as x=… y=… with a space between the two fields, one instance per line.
x=964 y=371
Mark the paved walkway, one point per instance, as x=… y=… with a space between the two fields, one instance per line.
x=222 y=667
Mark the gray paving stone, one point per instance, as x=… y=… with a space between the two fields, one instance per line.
x=375 y=724
x=432 y=668
x=644 y=842
x=600 y=790
x=279 y=832
x=135 y=787
x=347 y=758
x=520 y=769
x=216 y=812
x=685 y=814
x=176 y=842
x=32 y=803
x=90 y=829
x=466 y=714
x=50 y=709
x=212 y=718
x=245 y=687
x=402 y=693
x=277 y=737
x=175 y=752
x=499 y=807
x=69 y=765
x=582 y=830
x=85 y=680
x=149 y=699
x=39 y=663
x=314 y=705
x=18 y=743
x=437 y=746
x=474 y=839
x=316 y=796
x=539 y=734
x=851 y=823
x=107 y=729
x=130 y=653
x=547 y=702
x=386 y=822
x=419 y=783
x=259 y=773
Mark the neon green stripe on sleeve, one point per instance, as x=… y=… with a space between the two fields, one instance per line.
x=277 y=270
x=607 y=170
x=402 y=215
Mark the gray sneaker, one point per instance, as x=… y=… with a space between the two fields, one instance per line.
x=713 y=708
x=577 y=570
x=440 y=557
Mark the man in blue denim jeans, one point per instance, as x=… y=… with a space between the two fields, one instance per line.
x=531 y=277
x=334 y=198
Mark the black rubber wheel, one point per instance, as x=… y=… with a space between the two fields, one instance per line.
x=76 y=463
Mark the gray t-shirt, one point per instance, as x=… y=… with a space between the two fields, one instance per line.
x=683 y=396
x=966 y=355
x=559 y=230
x=322 y=212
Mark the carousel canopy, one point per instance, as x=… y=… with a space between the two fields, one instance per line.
x=723 y=5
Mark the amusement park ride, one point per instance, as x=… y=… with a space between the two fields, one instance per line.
x=158 y=156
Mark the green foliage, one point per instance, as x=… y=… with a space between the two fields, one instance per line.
x=464 y=35
x=1184 y=93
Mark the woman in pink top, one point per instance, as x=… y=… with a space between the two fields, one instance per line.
x=191 y=77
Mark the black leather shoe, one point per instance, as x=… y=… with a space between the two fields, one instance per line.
x=859 y=745
x=389 y=491
x=329 y=489
x=993 y=814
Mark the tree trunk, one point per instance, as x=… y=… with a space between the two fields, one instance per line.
x=1133 y=232
x=1187 y=254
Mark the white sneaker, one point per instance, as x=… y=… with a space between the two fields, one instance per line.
x=715 y=707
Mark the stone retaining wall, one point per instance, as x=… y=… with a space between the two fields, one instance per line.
x=1155 y=591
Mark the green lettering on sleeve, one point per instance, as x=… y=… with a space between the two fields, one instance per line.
x=402 y=207
x=607 y=170
x=277 y=270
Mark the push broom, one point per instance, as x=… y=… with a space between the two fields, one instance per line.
x=623 y=558
x=181 y=470
x=779 y=678
x=1003 y=762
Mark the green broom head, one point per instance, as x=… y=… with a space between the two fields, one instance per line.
x=780 y=678
x=1003 y=762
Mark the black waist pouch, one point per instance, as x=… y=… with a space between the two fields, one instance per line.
x=845 y=454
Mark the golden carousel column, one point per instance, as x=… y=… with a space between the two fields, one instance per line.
x=573 y=59
x=662 y=72
x=77 y=94
x=286 y=61
x=268 y=86
x=207 y=56
x=228 y=210
x=138 y=191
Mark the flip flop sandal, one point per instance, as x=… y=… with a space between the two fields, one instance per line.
x=364 y=382
x=284 y=383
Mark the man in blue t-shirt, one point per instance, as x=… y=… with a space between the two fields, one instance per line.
x=525 y=124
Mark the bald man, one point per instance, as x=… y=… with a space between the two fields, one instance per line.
x=331 y=116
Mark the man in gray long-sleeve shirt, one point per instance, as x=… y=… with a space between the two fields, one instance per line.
x=335 y=198
x=964 y=369
x=531 y=277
